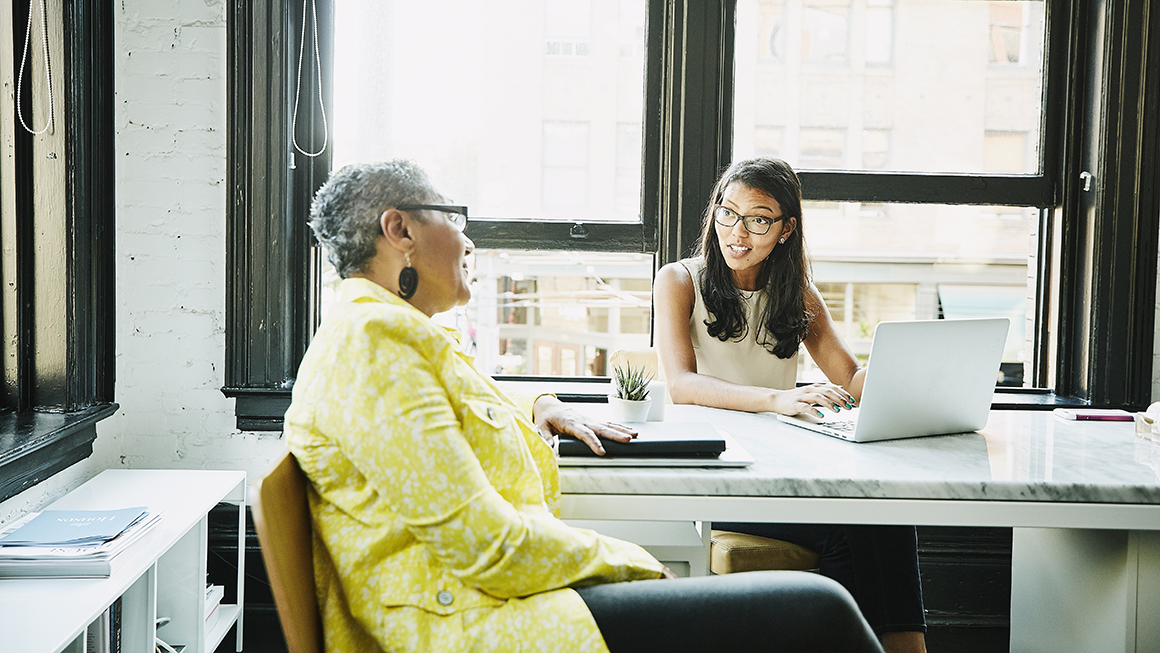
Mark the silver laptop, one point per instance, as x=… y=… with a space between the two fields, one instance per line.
x=925 y=377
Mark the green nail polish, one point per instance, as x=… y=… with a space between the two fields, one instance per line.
x=837 y=407
x=820 y=414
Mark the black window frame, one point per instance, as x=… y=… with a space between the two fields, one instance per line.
x=1097 y=250
x=58 y=294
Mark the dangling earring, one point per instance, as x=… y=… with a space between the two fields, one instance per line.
x=408 y=279
x=782 y=240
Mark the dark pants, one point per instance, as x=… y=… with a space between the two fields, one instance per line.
x=877 y=564
x=758 y=611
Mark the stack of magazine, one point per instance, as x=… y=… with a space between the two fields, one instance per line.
x=71 y=543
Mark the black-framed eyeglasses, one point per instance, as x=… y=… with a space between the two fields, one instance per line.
x=755 y=224
x=456 y=214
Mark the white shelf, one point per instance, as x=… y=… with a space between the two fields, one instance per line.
x=162 y=574
x=228 y=615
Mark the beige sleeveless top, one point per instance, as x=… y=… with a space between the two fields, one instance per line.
x=744 y=362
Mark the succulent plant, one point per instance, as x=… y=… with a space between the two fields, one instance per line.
x=631 y=382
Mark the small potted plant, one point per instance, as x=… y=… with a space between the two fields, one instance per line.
x=630 y=399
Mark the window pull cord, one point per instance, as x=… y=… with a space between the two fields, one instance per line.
x=298 y=86
x=47 y=68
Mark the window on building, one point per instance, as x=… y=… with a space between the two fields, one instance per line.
x=567 y=27
x=767 y=140
x=1005 y=152
x=825 y=36
x=1008 y=43
x=822 y=147
x=875 y=149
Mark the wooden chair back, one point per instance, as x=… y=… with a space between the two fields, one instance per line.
x=282 y=519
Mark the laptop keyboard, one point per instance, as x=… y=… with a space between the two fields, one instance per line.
x=843 y=425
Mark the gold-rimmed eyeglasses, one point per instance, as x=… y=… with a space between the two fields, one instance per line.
x=755 y=224
x=456 y=214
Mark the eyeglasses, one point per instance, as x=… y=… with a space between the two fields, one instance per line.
x=456 y=214
x=755 y=224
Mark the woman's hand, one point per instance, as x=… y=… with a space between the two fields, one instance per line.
x=553 y=418
x=812 y=400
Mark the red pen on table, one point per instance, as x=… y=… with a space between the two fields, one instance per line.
x=1094 y=414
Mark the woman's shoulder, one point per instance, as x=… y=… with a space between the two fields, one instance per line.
x=693 y=264
x=380 y=320
x=812 y=296
x=684 y=269
x=677 y=273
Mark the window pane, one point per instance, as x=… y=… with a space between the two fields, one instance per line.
x=937 y=78
x=569 y=310
x=878 y=262
x=519 y=108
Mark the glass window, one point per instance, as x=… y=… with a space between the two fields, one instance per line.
x=570 y=308
x=1005 y=152
x=879 y=262
x=533 y=111
x=825 y=37
x=939 y=75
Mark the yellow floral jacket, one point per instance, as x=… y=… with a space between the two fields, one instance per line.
x=433 y=496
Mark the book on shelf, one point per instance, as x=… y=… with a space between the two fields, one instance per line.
x=103 y=635
x=71 y=527
x=115 y=626
x=97 y=635
x=90 y=560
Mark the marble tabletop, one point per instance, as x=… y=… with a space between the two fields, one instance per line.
x=1018 y=456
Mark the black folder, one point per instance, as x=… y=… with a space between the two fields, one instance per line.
x=656 y=440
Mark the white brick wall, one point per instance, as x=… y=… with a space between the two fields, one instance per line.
x=171 y=155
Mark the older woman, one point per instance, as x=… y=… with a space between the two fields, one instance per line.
x=434 y=495
x=729 y=323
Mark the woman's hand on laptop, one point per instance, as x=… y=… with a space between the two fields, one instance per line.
x=553 y=418
x=815 y=399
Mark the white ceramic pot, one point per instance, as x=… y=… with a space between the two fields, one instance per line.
x=623 y=410
x=658 y=395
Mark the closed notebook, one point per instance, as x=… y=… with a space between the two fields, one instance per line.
x=657 y=440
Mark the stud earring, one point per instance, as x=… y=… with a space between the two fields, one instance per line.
x=408 y=279
x=782 y=240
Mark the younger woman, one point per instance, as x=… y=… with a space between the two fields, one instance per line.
x=729 y=323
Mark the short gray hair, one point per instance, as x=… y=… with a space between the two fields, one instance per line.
x=347 y=208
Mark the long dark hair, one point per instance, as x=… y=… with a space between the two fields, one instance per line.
x=784 y=273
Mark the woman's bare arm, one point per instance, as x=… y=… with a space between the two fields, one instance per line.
x=828 y=349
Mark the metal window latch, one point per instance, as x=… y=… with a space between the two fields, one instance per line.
x=579 y=231
x=1086 y=177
